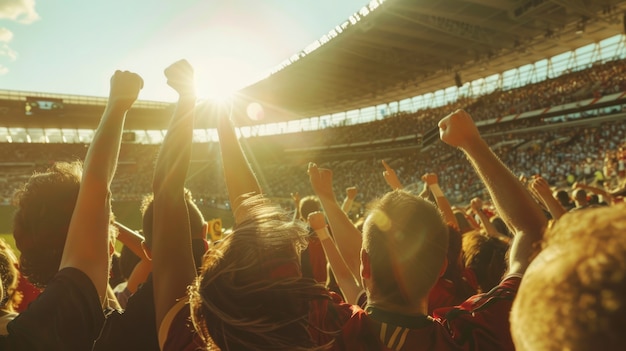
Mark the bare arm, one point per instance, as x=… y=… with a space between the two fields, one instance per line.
x=607 y=196
x=240 y=180
x=391 y=177
x=348 y=283
x=172 y=258
x=296 y=202
x=87 y=243
x=541 y=189
x=510 y=197
x=490 y=229
x=347 y=236
x=131 y=239
x=349 y=200
x=442 y=201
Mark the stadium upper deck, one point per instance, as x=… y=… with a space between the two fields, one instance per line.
x=389 y=51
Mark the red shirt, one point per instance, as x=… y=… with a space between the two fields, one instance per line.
x=330 y=319
x=481 y=323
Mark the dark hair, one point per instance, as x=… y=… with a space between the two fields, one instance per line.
x=309 y=204
x=196 y=219
x=44 y=209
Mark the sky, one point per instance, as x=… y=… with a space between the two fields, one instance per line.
x=74 y=46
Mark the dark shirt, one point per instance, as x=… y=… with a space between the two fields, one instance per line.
x=66 y=316
x=135 y=327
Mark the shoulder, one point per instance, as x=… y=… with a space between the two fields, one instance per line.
x=176 y=331
x=483 y=319
x=67 y=315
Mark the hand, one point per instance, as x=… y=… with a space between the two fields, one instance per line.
x=317 y=220
x=180 y=77
x=477 y=204
x=125 y=87
x=430 y=178
x=540 y=186
x=296 y=198
x=351 y=192
x=458 y=129
x=322 y=181
x=391 y=177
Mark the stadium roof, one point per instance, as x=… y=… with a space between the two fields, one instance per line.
x=388 y=51
x=398 y=49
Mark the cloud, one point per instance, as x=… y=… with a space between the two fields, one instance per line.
x=3 y=70
x=6 y=51
x=22 y=11
x=5 y=35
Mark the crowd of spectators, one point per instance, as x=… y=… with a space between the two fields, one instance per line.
x=417 y=274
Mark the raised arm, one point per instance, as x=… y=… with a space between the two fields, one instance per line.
x=133 y=241
x=391 y=177
x=87 y=244
x=443 y=204
x=347 y=282
x=172 y=258
x=490 y=229
x=240 y=180
x=347 y=236
x=296 y=203
x=510 y=197
x=599 y=191
x=351 y=192
x=540 y=187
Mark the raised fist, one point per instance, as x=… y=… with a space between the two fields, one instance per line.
x=180 y=77
x=458 y=129
x=430 y=178
x=540 y=186
x=477 y=204
x=322 y=181
x=317 y=220
x=351 y=192
x=125 y=87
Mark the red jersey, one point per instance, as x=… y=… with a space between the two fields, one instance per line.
x=330 y=320
x=480 y=323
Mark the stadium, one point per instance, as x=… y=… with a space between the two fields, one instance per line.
x=544 y=80
x=374 y=88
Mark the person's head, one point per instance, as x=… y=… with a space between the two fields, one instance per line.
x=308 y=205
x=563 y=197
x=485 y=256
x=198 y=225
x=464 y=225
x=580 y=197
x=8 y=276
x=44 y=209
x=250 y=293
x=573 y=295
x=501 y=226
x=405 y=243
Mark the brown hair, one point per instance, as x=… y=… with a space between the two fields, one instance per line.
x=573 y=295
x=250 y=293
x=45 y=204
x=407 y=242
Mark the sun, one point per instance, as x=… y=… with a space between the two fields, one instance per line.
x=220 y=77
